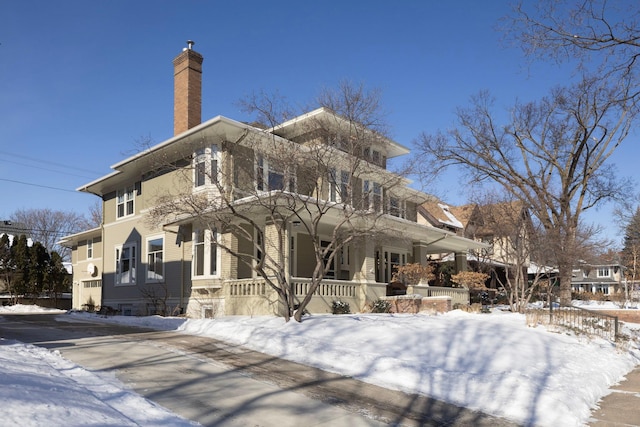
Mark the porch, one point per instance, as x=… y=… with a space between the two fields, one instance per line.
x=255 y=297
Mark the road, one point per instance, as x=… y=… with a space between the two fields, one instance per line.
x=217 y=384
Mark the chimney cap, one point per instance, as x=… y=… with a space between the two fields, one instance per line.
x=190 y=44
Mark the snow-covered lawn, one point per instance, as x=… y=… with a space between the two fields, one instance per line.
x=490 y=362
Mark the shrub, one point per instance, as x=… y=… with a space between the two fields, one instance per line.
x=340 y=307
x=381 y=306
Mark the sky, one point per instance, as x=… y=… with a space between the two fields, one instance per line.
x=495 y=363
x=82 y=83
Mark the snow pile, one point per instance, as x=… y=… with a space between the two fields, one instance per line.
x=493 y=363
x=41 y=388
x=23 y=308
x=490 y=362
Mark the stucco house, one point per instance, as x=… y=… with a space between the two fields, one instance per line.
x=188 y=223
x=605 y=279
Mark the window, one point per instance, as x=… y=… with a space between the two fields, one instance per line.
x=155 y=259
x=205 y=166
x=124 y=202
x=603 y=272
x=396 y=207
x=270 y=177
x=375 y=157
x=90 y=249
x=205 y=256
x=372 y=196
x=330 y=264
x=126 y=265
x=339 y=186
x=387 y=263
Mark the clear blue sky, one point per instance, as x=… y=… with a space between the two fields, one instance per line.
x=81 y=81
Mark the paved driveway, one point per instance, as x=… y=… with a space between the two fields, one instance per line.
x=217 y=384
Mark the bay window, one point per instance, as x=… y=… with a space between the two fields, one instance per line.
x=205 y=166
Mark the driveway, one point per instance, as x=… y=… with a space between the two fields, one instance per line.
x=217 y=384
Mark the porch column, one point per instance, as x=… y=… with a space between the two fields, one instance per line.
x=364 y=261
x=420 y=253
x=277 y=250
x=461 y=262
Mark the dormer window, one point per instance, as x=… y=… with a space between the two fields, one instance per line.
x=603 y=272
x=205 y=166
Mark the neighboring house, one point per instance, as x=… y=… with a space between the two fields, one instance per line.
x=606 y=279
x=503 y=227
x=131 y=262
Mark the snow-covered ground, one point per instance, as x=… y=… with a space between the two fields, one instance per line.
x=38 y=388
x=490 y=362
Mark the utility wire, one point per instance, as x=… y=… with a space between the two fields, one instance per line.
x=46 y=169
x=46 y=162
x=38 y=185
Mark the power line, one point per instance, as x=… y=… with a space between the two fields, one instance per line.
x=46 y=162
x=38 y=185
x=46 y=169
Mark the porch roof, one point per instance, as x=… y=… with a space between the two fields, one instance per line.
x=435 y=240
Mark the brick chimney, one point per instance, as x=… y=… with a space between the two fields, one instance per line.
x=187 y=89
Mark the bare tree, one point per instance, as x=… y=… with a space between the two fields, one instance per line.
x=601 y=36
x=95 y=215
x=551 y=155
x=328 y=182
x=47 y=226
x=631 y=254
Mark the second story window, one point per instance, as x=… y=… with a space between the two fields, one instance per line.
x=205 y=166
x=396 y=207
x=124 y=202
x=271 y=176
x=603 y=272
x=90 y=249
x=372 y=196
x=339 y=186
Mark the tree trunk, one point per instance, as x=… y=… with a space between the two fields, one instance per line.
x=564 y=273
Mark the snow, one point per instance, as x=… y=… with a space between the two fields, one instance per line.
x=39 y=387
x=490 y=362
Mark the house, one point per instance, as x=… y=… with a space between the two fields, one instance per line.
x=202 y=222
x=504 y=227
x=604 y=279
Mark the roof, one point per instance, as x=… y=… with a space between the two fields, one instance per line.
x=180 y=145
x=70 y=240
x=293 y=127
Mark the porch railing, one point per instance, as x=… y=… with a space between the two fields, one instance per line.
x=327 y=288
x=247 y=287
